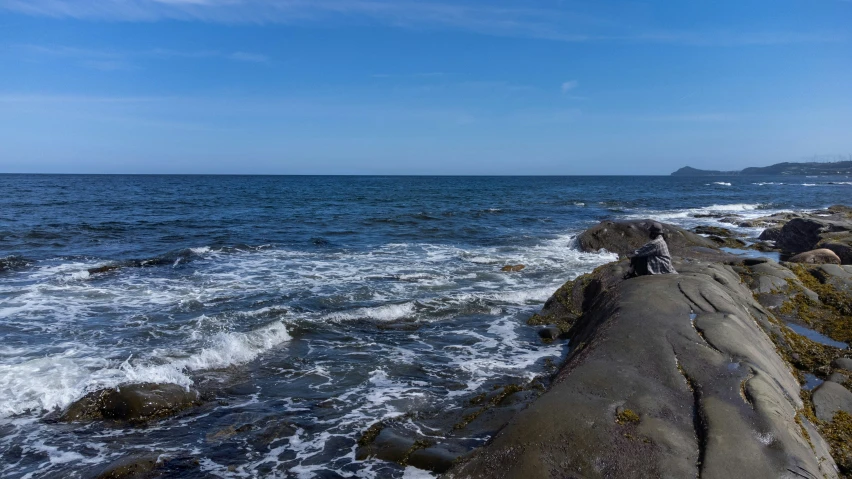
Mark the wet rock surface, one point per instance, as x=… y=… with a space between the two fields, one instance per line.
x=132 y=403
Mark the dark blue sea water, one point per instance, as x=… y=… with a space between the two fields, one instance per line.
x=323 y=303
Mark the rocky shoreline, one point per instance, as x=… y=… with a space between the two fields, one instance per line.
x=701 y=374
x=736 y=367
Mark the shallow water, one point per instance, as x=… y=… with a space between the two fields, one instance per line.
x=816 y=337
x=311 y=307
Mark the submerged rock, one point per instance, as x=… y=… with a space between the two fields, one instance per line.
x=132 y=403
x=817 y=256
x=130 y=467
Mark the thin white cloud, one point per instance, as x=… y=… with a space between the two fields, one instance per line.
x=569 y=85
x=556 y=24
x=113 y=60
x=247 y=57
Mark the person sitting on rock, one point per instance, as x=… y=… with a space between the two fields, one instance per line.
x=653 y=258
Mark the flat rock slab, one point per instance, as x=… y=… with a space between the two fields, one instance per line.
x=669 y=376
x=830 y=398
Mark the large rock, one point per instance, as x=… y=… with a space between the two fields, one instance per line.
x=624 y=237
x=770 y=234
x=132 y=403
x=830 y=398
x=804 y=234
x=817 y=256
x=669 y=376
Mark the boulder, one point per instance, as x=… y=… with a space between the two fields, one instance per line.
x=843 y=363
x=817 y=256
x=829 y=398
x=803 y=234
x=668 y=376
x=132 y=403
x=770 y=234
x=840 y=244
x=624 y=237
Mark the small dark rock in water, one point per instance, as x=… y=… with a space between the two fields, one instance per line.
x=133 y=403
x=387 y=445
x=830 y=398
x=549 y=333
x=104 y=269
x=843 y=363
x=713 y=230
x=435 y=459
x=817 y=256
x=513 y=268
x=130 y=467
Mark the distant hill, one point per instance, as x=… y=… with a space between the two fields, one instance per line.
x=793 y=169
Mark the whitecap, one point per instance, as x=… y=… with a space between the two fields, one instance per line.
x=56 y=381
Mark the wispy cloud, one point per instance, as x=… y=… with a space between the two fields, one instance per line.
x=569 y=85
x=504 y=19
x=114 y=60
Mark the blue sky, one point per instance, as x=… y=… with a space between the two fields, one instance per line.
x=421 y=87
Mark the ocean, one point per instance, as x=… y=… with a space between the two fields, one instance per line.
x=322 y=303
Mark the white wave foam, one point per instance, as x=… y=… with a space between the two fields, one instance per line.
x=56 y=381
x=721 y=183
x=389 y=312
x=201 y=250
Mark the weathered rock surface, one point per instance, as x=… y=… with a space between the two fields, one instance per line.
x=669 y=376
x=829 y=398
x=132 y=403
x=817 y=256
x=624 y=237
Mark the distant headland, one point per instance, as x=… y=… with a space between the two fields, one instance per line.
x=793 y=169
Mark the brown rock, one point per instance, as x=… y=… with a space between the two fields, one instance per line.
x=817 y=256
